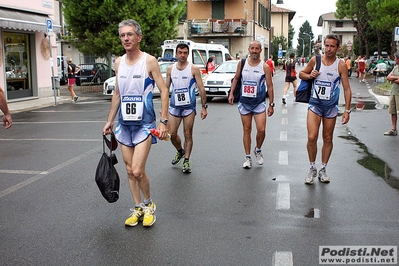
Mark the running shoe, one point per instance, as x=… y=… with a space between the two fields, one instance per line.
x=135 y=217
x=323 y=176
x=75 y=98
x=248 y=163
x=149 y=216
x=311 y=176
x=186 y=167
x=391 y=132
x=259 y=157
x=178 y=158
x=283 y=100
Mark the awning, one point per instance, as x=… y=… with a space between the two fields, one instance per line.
x=20 y=20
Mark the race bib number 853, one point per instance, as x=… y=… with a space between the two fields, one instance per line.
x=132 y=107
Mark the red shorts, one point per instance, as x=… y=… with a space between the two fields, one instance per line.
x=71 y=81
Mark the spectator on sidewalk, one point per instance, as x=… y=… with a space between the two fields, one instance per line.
x=7 y=121
x=349 y=66
x=394 y=98
x=72 y=71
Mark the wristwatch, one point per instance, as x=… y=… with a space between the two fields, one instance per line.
x=164 y=121
x=205 y=106
x=271 y=104
x=348 y=111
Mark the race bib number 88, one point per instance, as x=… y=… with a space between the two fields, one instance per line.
x=182 y=97
x=132 y=107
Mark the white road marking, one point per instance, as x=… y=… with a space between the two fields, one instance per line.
x=284 y=121
x=42 y=139
x=283 y=135
x=283 y=258
x=283 y=196
x=283 y=158
x=284 y=111
x=51 y=170
x=23 y=172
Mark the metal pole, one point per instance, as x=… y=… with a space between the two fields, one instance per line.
x=52 y=70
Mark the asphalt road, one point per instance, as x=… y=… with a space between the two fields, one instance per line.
x=52 y=212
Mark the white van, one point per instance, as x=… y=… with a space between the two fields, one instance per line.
x=199 y=52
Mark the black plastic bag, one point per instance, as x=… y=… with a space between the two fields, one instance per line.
x=107 y=177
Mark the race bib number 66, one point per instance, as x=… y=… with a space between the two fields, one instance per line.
x=132 y=107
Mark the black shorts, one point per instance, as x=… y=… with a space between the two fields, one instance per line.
x=290 y=78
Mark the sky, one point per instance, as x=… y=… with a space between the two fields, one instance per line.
x=309 y=10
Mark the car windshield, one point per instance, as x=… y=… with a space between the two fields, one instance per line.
x=227 y=67
x=164 y=67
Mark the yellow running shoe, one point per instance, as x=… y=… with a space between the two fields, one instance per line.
x=149 y=216
x=135 y=216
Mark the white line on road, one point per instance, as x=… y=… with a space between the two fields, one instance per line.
x=283 y=258
x=41 y=139
x=283 y=158
x=283 y=196
x=23 y=172
x=284 y=111
x=51 y=170
x=283 y=136
x=284 y=121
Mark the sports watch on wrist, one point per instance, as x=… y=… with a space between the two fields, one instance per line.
x=348 y=111
x=271 y=104
x=164 y=121
x=205 y=106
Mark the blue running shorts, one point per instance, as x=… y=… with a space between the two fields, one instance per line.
x=132 y=135
x=180 y=112
x=260 y=108
x=327 y=112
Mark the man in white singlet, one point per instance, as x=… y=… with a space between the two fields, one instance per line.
x=136 y=73
x=184 y=77
x=256 y=81
x=323 y=104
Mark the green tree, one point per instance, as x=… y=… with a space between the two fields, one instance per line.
x=94 y=23
x=305 y=37
x=291 y=33
x=356 y=10
x=385 y=18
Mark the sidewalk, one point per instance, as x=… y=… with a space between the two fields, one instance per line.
x=35 y=103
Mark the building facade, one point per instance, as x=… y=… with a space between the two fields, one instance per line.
x=344 y=28
x=232 y=23
x=26 y=65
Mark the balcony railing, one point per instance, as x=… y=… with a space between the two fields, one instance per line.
x=217 y=27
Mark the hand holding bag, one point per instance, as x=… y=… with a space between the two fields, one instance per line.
x=305 y=87
x=107 y=177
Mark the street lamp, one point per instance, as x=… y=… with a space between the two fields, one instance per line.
x=303 y=45
x=310 y=44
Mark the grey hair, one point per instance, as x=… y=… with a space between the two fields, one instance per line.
x=334 y=37
x=130 y=22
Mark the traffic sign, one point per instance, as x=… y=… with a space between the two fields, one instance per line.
x=397 y=34
x=49 y=26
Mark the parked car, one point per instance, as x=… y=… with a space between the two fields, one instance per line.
x=163 y=66
x=109 y=84
x=218 y=83
x=95 y=73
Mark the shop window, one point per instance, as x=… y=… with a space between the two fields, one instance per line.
x=17 y=65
